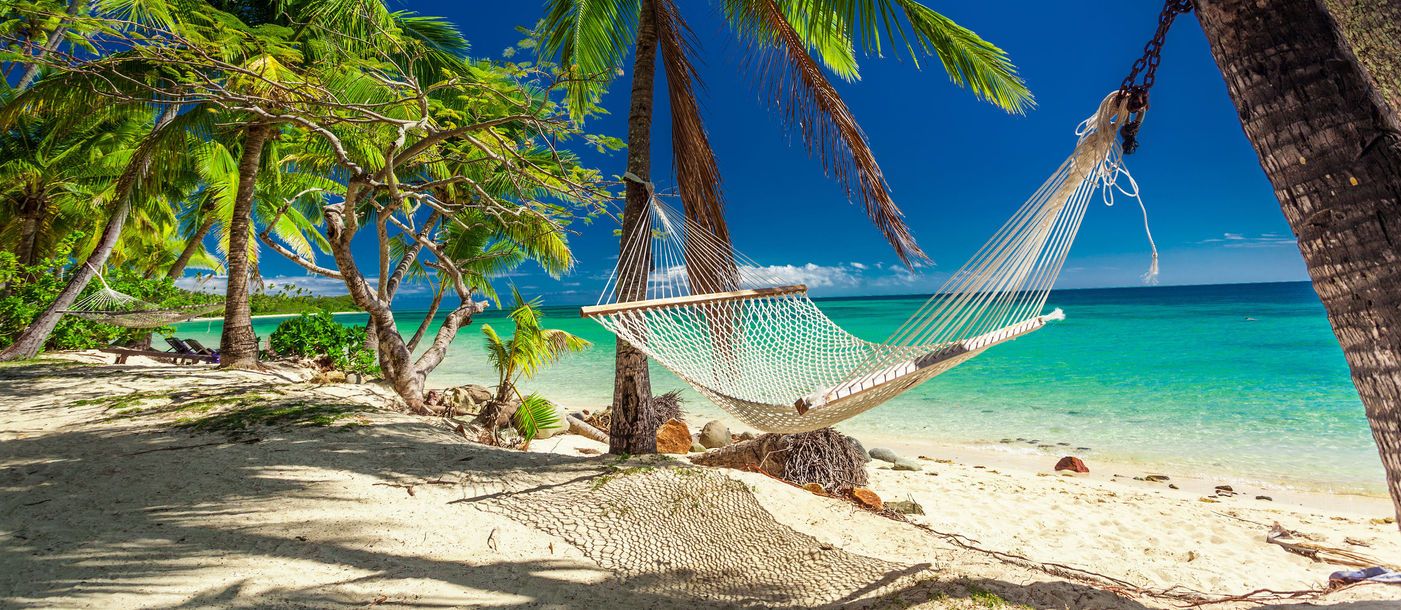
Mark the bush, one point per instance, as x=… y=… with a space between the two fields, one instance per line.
x=317 y=335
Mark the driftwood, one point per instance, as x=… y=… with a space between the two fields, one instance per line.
x=1317 y=552
x=582 y=428
x=768 y=453
x=824 y=456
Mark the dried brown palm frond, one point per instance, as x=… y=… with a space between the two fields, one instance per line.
x=693 y=160
x=790 y=79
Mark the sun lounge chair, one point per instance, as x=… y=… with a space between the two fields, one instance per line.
x=186 y=352
x=199 y=347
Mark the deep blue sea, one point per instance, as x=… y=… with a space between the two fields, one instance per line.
x=1240 y=381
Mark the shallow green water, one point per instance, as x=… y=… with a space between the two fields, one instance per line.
x=1238 y=381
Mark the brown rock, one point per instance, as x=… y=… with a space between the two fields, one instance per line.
x=674 y=437
x=866 y=498
x=1071 y=463
x=814 y=488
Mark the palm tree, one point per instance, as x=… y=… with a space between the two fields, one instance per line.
x=1326 y=137
x=787 y=45
x=52 y=171
x=530 y=348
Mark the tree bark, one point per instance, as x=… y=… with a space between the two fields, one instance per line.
x=191 y=246
x=238 y=345
x=400 y=370
x=32 y=211
x=1328 y=141
x=632 y=388
x=28 y=344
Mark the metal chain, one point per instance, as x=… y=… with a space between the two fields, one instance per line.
x=1148 y=65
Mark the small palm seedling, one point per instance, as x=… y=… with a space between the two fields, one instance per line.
x=530 y=349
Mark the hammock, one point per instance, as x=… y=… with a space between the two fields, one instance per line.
x=111 y=307
x=754 y=344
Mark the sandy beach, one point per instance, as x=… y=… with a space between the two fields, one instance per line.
x=159 y=486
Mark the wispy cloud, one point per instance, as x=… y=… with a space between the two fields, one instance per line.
x=315 y=284
x=1240 y=240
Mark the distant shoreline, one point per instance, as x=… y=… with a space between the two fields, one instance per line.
x=269 y=315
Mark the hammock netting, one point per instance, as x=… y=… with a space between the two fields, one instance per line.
x=111 y=307
x=753 y=342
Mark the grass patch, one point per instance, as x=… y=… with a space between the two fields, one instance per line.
x=236 y=421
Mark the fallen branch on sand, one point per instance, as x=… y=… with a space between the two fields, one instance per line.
x=1317 y=552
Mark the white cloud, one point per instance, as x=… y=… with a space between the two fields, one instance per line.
x=315 y=284
x=859 y=266
x=1239 y=240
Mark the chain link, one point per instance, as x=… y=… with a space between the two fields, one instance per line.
x=1148 y=66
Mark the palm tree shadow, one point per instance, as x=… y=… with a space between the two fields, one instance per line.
x=93 y=510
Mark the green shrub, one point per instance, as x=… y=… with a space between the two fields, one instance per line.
x=315 y=335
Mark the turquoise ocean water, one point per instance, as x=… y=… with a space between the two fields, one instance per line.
x=1238 y=381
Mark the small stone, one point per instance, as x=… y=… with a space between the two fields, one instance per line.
x=905 y=507
x=1156 y=478
x=1082 y=448
x=1225 y=488
x=1005 y=440
x=697 y=448
x=1063 y=444
x=1173 y=486
x=1072 y=463
x=715 y=435
x=746 y=436
x=859 y=447
x=884 y=455
x=866 y=498
x=907 y=464
x=674 y=437
x=814 y=488
x=1265 y=498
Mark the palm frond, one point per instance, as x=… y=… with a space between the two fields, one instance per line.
x=534 y=414
x=589 y=39
x=789 y=76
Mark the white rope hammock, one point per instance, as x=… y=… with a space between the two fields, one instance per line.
x=111 y=307
x=755 y=344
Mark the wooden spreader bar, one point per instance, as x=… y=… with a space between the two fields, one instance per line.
x=594 y=311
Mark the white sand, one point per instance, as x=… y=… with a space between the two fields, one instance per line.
x=97 y=511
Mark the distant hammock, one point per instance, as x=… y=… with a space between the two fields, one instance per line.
x=111 y=307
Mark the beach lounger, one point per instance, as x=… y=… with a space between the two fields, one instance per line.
x=199 y=347
x=186 y=352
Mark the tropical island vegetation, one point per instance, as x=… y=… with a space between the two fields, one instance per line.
x=159 y=157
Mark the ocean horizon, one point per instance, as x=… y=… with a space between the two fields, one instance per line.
x=1241 y=382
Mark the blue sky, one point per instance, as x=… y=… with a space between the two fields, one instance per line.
x=957 y=167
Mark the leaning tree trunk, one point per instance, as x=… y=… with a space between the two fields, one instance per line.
x=37 y=334
x=1329 y=143
x=191 y=246
x=238 y=346
x=28 y=344
x=632 y=389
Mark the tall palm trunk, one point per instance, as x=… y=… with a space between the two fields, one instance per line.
x=1328 y=141
x=191 y=246
x=632 y=389
x=37 y=334
x=238 y=346
x=32 y=212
